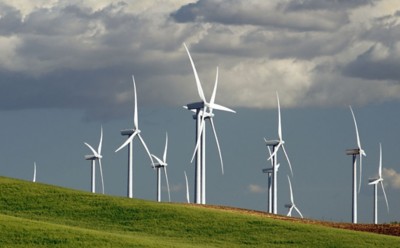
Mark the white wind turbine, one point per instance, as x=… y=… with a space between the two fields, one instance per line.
x=34 y=172
x=292 y=206
x=132 y=133
x=276 y=144
x=162 y=164
x=354 y=152
x=204 y=110
x=375 y=182
x=93 y=157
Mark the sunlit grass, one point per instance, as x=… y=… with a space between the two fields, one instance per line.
x=37 y=215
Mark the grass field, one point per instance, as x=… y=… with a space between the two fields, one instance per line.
x=38 y=215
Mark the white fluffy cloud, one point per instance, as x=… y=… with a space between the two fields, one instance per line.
x=392 y=177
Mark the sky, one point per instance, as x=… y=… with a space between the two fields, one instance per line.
x=66 y=67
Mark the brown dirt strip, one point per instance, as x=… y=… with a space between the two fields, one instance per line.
x=387 y=229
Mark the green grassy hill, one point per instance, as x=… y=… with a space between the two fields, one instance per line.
x=38 y=215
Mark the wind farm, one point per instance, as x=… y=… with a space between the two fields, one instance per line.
x=290 y=71
x=203 y=112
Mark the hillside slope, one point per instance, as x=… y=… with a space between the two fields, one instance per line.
x=38 y=215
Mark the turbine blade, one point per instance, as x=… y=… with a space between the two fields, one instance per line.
x=287 y=158
x=101 y=175
x=298 y=211
x=380 y=160
x=275 y=151
x=198 y=140
x=34 y=172
x=220 y=107
x=291 y=191
x=92 y=149
x=218 y=146
x=187 y=188
x=374 y=182
x=158 y=160
x=101 y=141
x=270 y=154
x=166 y=180
x=198 y=84
x=384 y=194
x=355 y=124
x=127 y=141
x=166 y=148
x=135 y=114
x=290 y=211
x=145 y=147
x=212 y=100
x=279 y=118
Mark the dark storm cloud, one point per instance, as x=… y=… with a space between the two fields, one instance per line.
x=367 y=66
x=382 y=59
x=294 y=15
x=336 y=5
x=76 y=57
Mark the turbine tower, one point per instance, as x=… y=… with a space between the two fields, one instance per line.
x=276 y=145
x=292 y=206
x=269 y=172
x=203 y=111
x=375 y=182
x=93 y=157
x=162 y=164
x=34 y=172
x=132 y=133
x=354 y=152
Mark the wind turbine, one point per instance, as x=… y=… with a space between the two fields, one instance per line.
x=354 y=152
x=292 y=206
x=34 y=172
x=132 y=133
x=93 y=157
x=162 y=164
x=375 y=182
x=203 y=110
x=276 y=145
x=187 y=189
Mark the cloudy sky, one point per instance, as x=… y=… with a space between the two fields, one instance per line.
x=66 y=66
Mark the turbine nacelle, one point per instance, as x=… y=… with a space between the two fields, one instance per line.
x=268 y=170
x=273 y=142
x=195 y=106
x=90 y=157
x=373 y=181
x=159 y=165
x=355 y=151
x=128 y=132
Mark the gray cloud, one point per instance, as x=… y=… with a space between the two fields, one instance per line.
x=377 y=63
x=338 y=5
x=71 y=55
x=293 y=15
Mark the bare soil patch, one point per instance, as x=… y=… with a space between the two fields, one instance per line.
x=387 y=229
